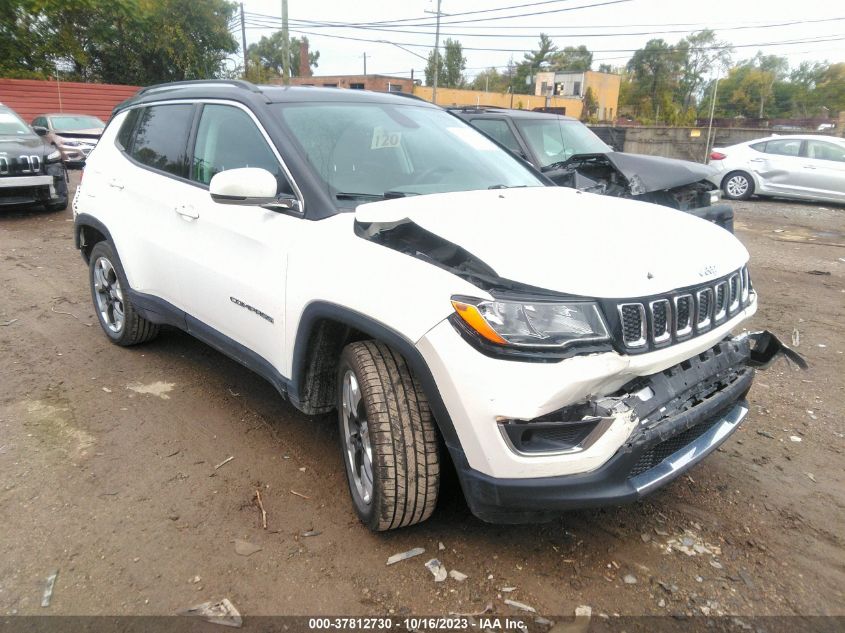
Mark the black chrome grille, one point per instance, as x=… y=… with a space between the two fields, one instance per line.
x=633 y=324
x=677 y=316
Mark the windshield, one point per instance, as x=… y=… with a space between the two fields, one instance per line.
x=72 y=123
x=556 y=140
x=373 y=150
x=12 y=125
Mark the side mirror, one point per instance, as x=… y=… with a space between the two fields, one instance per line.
x=245 y=186
x=39 y=130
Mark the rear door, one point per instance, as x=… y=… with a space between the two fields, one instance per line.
x=234 y=257
x=824 y=169
x=142 y=195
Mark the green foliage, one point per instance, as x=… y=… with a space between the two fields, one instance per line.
x=591 y=106
x=492 y=80
x=266 y=57
x=117 y=41
x=572 y=59
x=450 y=66
x=701 y=54
x=532 y=63
x=655 y=73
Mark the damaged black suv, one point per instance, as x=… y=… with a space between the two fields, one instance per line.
x=571 y=155
x=31 y=170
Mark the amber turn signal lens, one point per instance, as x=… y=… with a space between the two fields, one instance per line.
x=472 y=317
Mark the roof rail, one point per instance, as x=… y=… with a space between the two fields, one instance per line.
x=407 y=95
x=235 y=83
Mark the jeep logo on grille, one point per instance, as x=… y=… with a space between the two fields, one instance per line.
x=707 y=271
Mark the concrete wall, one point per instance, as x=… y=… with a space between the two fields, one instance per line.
x=31 y=97
x=448 y=97
x=676 y=142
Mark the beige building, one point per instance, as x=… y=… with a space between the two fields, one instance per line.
x=574 y=85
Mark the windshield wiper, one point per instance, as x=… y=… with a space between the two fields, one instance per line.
x=387 y=195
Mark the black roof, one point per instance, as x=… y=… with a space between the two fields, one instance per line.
x=247 y=92
x=509 y=112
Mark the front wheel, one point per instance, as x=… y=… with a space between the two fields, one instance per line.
x=738 y=185
x=118 y=317
x=388 y=437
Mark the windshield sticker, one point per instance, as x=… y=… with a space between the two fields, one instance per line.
x=474 y=139
x=383 y=138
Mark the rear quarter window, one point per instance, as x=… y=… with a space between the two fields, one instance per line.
x=124 y=134
x=760 y=147
x=161 y=138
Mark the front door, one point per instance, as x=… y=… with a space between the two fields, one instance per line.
x=234 y=258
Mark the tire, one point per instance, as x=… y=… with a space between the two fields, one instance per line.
x=108 y=284
x=738 y=185
x=398 y=434
x=56 y=206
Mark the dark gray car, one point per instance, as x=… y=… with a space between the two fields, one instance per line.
x=31 y=170
x=571 y=155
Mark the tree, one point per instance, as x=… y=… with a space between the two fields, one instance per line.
x=268 y=54
x=572 y=59
x=450 y=66
x=701 y=54
x=655 y=71
x=830 y=88
x=590 y=106
x=605 y=68
x=491 y=80
x=119 y=41
x=532 y=62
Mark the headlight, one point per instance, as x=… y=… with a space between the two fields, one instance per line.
x=54 y=156
x=532 y=324
x=66 y=142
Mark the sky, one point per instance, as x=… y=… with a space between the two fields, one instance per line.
x=612 y=30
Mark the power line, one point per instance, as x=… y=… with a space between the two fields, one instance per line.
x=304 y=23
x=824 y=38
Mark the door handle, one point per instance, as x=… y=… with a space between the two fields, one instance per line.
x=809 y=166
x=116 y=184
x=756 y=160
x=187 y=211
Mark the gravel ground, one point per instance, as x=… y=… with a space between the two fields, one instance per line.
x=108 y=455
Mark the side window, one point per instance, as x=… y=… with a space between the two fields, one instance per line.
x=161 y=137
x=784 y=147
x=124 y=134
x=498 y=130
x=825 y=151
x=228 y=138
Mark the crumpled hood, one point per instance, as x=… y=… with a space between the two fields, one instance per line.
x=570 y=241
x=656 y=173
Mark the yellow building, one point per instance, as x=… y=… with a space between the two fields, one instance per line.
x=450 y=97
x=574 y=85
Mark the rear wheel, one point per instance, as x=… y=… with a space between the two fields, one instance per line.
x=738 y=185
x=117 y=316
x=388 y=438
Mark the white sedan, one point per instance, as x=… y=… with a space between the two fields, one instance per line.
x=806 y=167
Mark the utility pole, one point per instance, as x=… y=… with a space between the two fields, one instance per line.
x=243 y=36
x=710 y=124
x=285 y=44
x=365 y=64
x=436 y=55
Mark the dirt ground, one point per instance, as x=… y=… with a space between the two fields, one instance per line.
x=108 y=456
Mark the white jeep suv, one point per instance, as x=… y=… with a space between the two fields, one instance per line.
x=374 y=254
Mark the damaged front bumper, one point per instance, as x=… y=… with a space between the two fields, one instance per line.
x=681 y=415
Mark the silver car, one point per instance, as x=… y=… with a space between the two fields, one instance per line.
x=807 y=167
